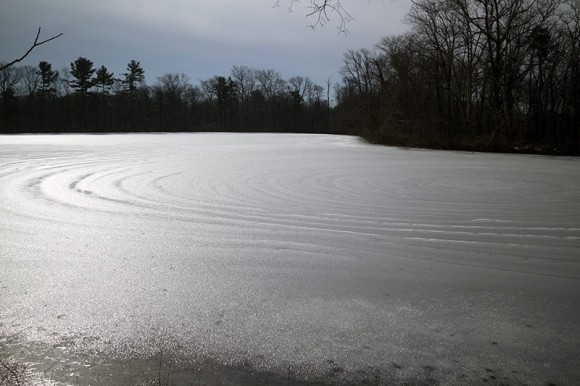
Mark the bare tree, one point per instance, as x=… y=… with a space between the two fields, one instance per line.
x=63 y=81
x=315 y=94
x=570 y=22
x=270 y=83
x=32 y=47
x=358 y=70
x=245 y=78
x=444 y=36
x=169 y=95
x=31 y=79
x=9 y=79
x=300 y=85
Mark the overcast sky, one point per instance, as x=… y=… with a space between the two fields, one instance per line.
x=200 y=38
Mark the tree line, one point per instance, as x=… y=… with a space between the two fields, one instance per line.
x=471 y=74
x=496 y=75
x=86 y=98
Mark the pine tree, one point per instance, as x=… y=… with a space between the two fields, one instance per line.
x=104 y=80
x=134 y=76
x=82 y=70
x=48 y=77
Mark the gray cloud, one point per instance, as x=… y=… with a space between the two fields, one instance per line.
x=201 y=38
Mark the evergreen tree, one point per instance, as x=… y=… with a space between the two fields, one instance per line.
x=135 y=75
x=82 y=70
x=104 y=80
x=47 y=78
x=135 y=95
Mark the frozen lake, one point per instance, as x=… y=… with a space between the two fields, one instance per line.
x=286 y=257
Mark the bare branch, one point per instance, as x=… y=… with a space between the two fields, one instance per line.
x=34 y=45
x=322 y=10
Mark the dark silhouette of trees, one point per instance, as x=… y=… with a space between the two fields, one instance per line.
x=245 y=84
x=271 y=86
x=48 y=78
x=299 y=89
x=134 y=77
x=169 y=101
x=569 y=18
x=30 y=82
x=476 y=74
x=104 y=80
x=10 y=77
x=221 y=94
x=86 y=99
x=133 y=96
x=495 y=75
x=82 y=70
x=46 y=94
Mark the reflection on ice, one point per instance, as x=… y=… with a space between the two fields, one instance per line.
x=305 y=257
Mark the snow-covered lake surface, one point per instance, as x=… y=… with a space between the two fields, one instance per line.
x=305 y=257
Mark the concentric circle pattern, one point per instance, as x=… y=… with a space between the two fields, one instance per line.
x=309 y=257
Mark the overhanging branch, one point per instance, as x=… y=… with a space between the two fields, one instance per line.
x=320 y=11
x=34 y=45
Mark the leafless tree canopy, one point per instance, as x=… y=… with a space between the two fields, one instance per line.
x=32 y=47
x=322 y=11
x=479 y=74
x=494 y=75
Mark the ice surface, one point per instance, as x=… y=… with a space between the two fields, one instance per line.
x=313 y=257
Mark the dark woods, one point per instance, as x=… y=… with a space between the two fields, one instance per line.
x=83 y=98
x=501 y=75
x=493 y=75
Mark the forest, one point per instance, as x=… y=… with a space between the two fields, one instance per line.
x=487 y=75
x=83 y=98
